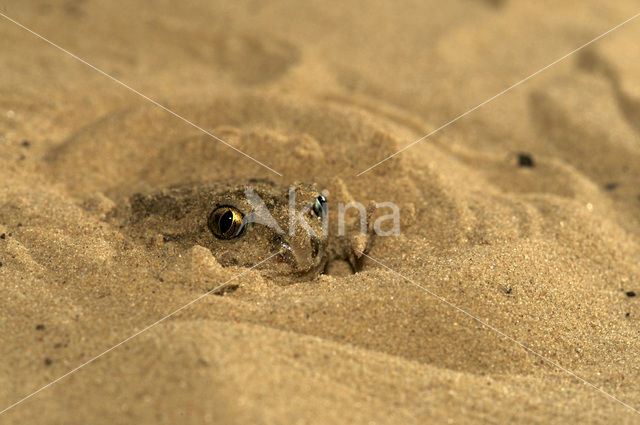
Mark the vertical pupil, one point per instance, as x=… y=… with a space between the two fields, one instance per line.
x=225 y=222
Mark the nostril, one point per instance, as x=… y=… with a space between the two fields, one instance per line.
x=279 y=243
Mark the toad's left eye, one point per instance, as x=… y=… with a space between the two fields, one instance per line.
x=226 y=222
x=320 y=206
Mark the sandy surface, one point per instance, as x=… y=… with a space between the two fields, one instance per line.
x=321 y=91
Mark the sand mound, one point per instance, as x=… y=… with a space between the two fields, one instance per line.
x=523 y=214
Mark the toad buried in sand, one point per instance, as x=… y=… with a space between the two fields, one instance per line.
x=243 y=224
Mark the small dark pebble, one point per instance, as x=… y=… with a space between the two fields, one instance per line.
x=0 y=263
x=47 y=361
x=3 y=236
x=630 y=294
x=19 y=224
x=40 y=327
x=611 y=186
x=26 y=143
x=627 y=314
x=525 y=160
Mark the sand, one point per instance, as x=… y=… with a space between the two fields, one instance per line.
x=546 y=254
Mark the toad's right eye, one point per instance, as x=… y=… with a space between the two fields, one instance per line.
x=320 y=207
x=226 y=222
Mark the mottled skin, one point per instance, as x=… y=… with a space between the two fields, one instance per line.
x=180 y=213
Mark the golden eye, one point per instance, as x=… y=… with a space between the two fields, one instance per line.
x=226 y=222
